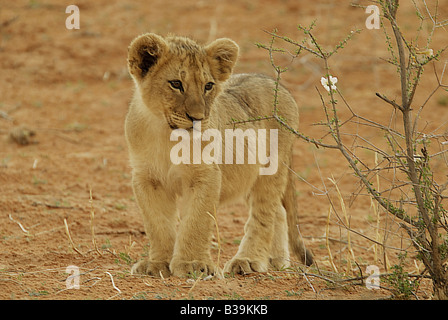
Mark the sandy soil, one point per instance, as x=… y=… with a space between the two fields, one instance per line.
x=70 y=89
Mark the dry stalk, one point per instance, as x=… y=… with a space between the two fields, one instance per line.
x=131 y=245
x=195 y=282
x=327 y=242
x=376 y=212
x=377 y=232
x=67 y=231
x=351 y=257
x=219 y=271
x=92 y=228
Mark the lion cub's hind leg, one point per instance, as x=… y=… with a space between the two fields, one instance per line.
x=279 y=256
x=259 y=242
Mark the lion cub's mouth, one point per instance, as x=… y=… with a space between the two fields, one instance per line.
x=176 y=121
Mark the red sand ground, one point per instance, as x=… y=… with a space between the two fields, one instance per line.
x=71 y=87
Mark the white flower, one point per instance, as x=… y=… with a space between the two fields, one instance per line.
x=424 y=55
x=418 y=158
x=333 y=81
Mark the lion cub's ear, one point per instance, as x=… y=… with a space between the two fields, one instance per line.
x=144 y=52
x=222 y=55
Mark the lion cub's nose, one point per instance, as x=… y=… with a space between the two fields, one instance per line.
x=195 y=116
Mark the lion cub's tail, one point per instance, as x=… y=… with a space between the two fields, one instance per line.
x=296 y=244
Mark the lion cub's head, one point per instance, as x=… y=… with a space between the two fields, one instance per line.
x=179 y=79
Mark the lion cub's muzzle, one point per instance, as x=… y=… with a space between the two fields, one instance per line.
x=184 y=121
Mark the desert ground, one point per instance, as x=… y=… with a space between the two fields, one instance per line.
x=66 y=201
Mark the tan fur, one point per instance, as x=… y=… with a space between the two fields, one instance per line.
x=163 y=189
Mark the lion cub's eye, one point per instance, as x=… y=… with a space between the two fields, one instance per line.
x=177 y=84
x=209 y=86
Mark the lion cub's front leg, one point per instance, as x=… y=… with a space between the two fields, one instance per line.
x=159 y=217
x=201 y=189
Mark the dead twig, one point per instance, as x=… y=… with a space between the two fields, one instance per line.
x=113 y=283
x=18 y=223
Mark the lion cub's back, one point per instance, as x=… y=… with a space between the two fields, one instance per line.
x=251 y=95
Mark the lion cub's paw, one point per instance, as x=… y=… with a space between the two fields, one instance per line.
x=182 y=268
x=279 y=263
x=245 y=266
x=151 y=268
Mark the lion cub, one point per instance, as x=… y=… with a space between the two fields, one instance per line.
x=178 y=84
